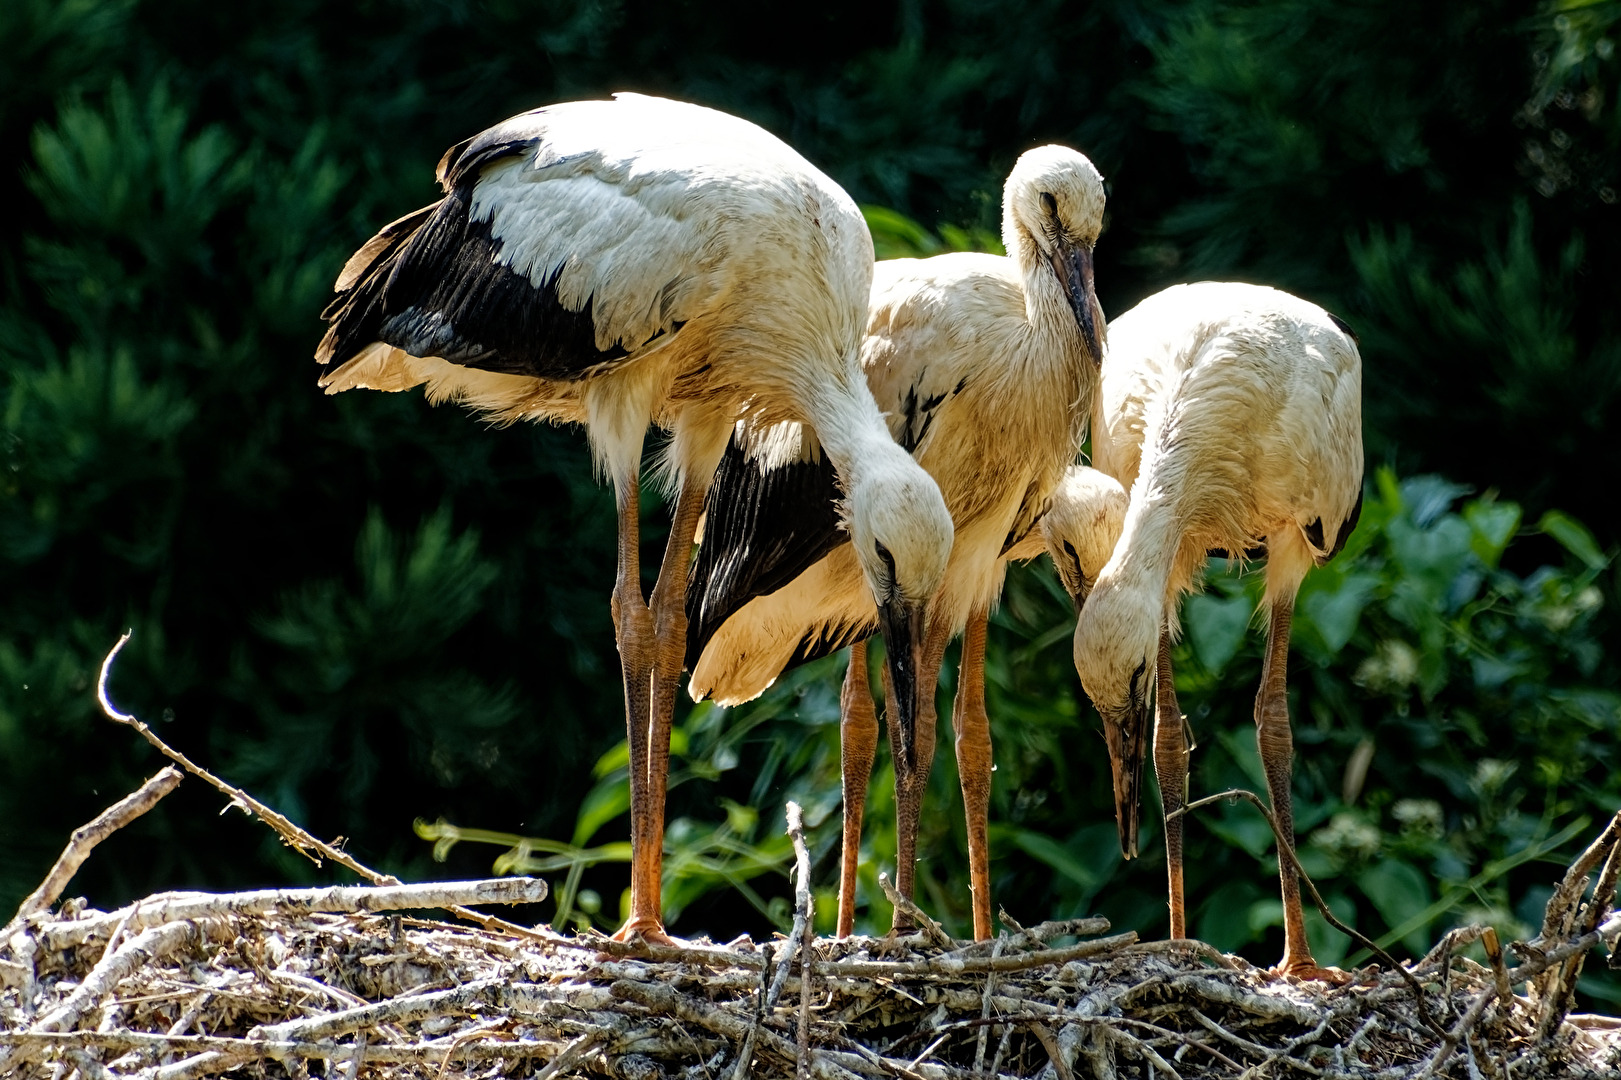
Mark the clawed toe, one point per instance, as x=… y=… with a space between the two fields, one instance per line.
x=1308 y=971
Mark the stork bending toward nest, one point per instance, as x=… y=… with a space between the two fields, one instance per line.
x=1233 y=414
x=635 y=261
x=985 y=366
x=1079 y=530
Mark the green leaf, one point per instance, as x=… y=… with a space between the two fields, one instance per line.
x=1063 y=857
x=1334 y=607
x=896 y=236
x=1224 y=919
x=1216 y=627
x=1328 y=945
x=1399 y=892
x=604 y=802
x=1494 y=524
x=1573 y=536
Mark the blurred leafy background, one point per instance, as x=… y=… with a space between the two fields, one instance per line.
x=391 y=622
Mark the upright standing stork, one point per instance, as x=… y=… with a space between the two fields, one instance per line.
x=985 y=366
x=1233 y=414
x=635 y=261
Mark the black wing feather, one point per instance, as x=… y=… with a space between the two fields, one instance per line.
x=433 y=284
x=762 y=528
x=830 y=639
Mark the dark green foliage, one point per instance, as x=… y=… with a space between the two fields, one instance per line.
x=372 y=612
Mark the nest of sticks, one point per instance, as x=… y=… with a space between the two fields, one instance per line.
x=363 y=981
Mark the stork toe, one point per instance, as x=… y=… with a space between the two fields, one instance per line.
x=649 y=931
x=1308 y=971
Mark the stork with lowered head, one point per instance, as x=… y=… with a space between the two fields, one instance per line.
x=1232 y=413
x=985 y=367
x=617 y=264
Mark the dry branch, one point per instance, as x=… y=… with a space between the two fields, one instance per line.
x=334 y=899
x=86 y=837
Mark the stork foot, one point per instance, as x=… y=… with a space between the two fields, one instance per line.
x=649 y=931
x=1308 y=971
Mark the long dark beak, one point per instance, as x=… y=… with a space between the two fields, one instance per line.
x=1073 y=265
x=902 y=625
x=1127 y=735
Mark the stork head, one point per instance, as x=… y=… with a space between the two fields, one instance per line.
x=902 y=535
x=1052 y=213
x=1116 y=648
x=1081 y=526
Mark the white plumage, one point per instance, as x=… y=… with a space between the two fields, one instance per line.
x=1232 y=413
x=1079 y=530
x=985 y=367
x=635 y=261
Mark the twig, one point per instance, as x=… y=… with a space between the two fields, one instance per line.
x=665 y=999
x=805 y=928
x=1177 y=1036
x=1054 y=1054
x=1494 y=953
x=295 y=837
x=1450 y=1041
x=1268 y=1055
x=568 y=1058
x=985 y=1006
x=339 y=899
x=1143 y=1050
x=1559 y=984
x=1037 y=936
x=141 y=950
x=764 y=1000
x=292 y=835
x=1286 y=850
x=974 y=965
x=1186 y=945
x=485 y=994
x=86 y=837
x=429 y=1053
x=904 y=904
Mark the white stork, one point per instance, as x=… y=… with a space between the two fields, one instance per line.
x=1079 y=530
x=986 y=366
x=1233 y=414
x=635 y=261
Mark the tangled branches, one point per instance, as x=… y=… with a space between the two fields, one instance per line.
x=342 y=980
x=286 y=983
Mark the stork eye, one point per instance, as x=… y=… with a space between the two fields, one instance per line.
x=887 y=559
x=1138 y=691
x=1049 y=204
x=1080 y=575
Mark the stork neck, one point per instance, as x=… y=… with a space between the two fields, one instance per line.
x=850 y=427
x=1145 y=558
x=1046 y=307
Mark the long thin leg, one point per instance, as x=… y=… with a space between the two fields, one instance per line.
x=858 y=745
x=911 y=783
x=974 y=762
x=633 y=631
x=667 y=616
x=1171 y=768
x=1276 y=743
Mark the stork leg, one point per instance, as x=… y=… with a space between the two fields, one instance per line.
x=973 y=727
x=1276 y=743
x=858 y=745
x=912 y=765
x=665 y=653
x=633 y=631
x=1171 y=769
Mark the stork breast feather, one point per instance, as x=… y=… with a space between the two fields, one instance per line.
x=621 y=250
